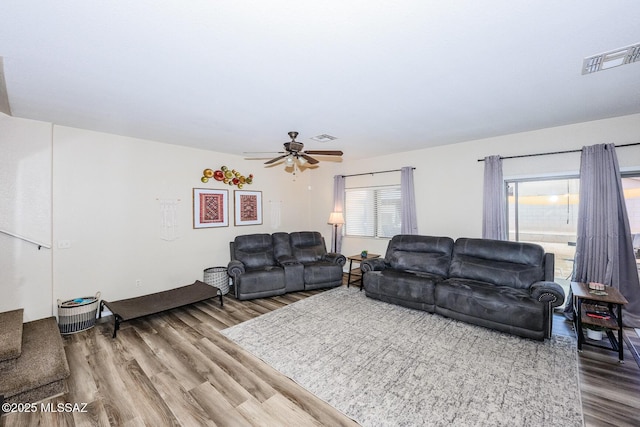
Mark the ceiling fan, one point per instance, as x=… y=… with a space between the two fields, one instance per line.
x=294 y=151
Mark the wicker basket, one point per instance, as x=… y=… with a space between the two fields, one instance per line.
x=218 y=277
x=78 y=314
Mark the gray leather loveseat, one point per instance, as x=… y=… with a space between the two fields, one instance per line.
x=507 y=286
x=264 y=265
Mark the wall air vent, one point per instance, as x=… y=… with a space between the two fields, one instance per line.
x=324 y=138
x=614 y=58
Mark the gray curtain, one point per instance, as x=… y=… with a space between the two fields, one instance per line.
x=494 y=207
x=604 y=247
x=338 y=206
x=408 y=200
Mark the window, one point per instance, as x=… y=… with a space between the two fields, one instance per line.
x=545 y=212
x=373 y=211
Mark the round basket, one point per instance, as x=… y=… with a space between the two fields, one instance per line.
x=78 y=314
x=218 y=277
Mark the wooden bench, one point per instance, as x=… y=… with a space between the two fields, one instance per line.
x=134 y=308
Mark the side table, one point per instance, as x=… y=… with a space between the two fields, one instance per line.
x=358 y=276
x=598 y=308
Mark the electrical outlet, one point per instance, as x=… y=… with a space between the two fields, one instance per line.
x=138 y=283
x=64 y=244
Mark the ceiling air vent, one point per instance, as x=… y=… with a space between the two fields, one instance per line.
x=324 y=138
x=614 y=58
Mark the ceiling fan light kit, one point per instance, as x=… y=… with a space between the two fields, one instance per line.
x=294 y=154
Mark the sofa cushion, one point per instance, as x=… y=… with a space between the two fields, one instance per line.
x=322 y=272
x=402 y=285
x=504 y=263
x=262 y=279
x=307 y=246
x=428 y=254
x=499 y=304
x=281 y=245
x=308 y=254
x=254 y=250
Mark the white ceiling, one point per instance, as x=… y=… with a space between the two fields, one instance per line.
x=382 y=76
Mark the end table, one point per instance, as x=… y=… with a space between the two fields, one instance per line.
x=358 y=276
x=599 y=308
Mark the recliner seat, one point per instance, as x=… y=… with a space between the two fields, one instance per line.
x=321 y=269
x=254 y=269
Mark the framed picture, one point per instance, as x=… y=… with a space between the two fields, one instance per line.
x=210 y=208
x=248 y=206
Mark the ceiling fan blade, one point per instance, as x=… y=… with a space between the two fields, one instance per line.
x=276 y=159
x=309 y=159
x=325 y=152
x=263 y=152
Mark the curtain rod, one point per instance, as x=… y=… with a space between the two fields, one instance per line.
x=556 y=152
x=373 y=173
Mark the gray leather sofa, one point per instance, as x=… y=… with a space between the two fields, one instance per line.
x=264 y=265
x=507 y=286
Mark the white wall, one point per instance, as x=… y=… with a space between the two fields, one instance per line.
x=25 y=210
x=106 y=203
x=448 y=179
x=102 y=194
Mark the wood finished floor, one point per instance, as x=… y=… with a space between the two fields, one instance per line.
x=177 y=369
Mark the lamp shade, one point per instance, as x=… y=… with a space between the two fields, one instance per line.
x=336 y=218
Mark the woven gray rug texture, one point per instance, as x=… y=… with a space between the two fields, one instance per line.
x=386 y=365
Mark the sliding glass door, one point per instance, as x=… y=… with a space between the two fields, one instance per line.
x=631 y=188
x=545 y=211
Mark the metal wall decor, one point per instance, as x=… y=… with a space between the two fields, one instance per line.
x=227 y=176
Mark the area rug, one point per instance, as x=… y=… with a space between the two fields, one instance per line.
x=386 y=365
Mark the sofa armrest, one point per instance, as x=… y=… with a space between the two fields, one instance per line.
x=548 y=292
x=373 y=264
x=287 y=260
x=235 y=268
x=335 y=258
